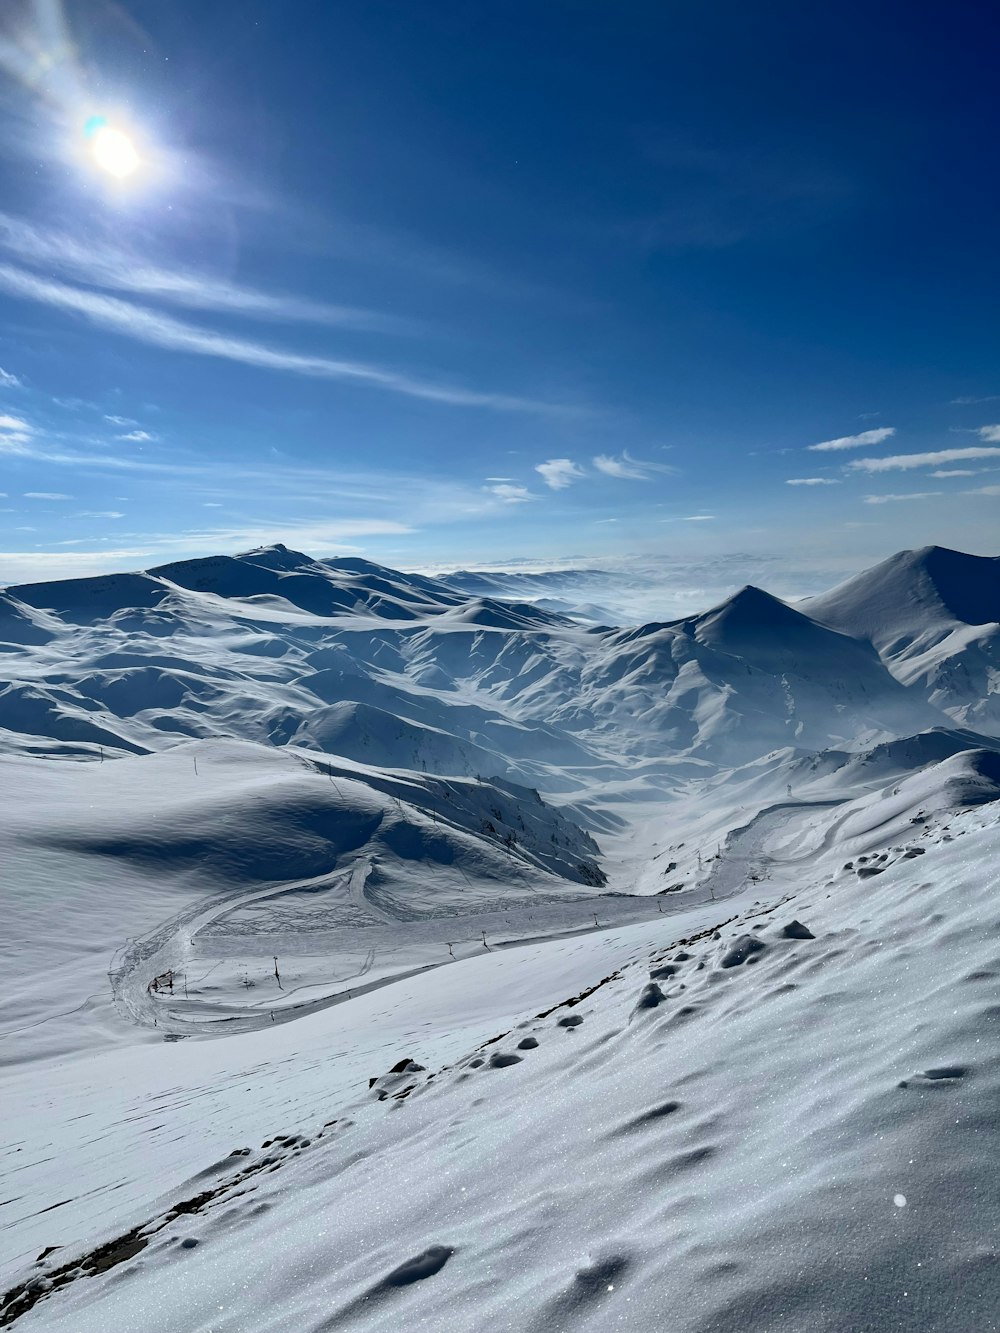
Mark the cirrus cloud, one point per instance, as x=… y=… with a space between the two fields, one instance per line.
x=626 y=468
x=935 y=458
x=149 y=326
x=866 y=437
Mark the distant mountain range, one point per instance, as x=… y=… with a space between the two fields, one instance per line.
x=353 y=659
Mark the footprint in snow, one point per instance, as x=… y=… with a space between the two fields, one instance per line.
x=647 y=1119
x=928 y=1078
x=421 y=1266
x=527 y=1043
x=417 y=1269
x=571 y=1021
x=599 y=1280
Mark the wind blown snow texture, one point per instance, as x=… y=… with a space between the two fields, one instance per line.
x=383 y=953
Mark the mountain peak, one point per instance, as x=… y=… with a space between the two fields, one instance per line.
x=275 y=556
x=751 y=608
x=913 y=591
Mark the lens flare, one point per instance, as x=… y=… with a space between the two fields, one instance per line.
x=112 y=150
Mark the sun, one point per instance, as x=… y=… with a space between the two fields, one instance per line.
x=111 y=148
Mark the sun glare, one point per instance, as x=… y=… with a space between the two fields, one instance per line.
x=111 y=149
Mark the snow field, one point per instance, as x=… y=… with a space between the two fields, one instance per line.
x=380 y=953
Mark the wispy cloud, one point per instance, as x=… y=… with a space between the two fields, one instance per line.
x=892 y=499
x=984 y=490
x=46 y=495
x=626 y=468
x=121 y=421
x=508 y=493
x=956 y=472
x=989 y=432
x=9 y=381
x=15 y=435
x=972 y=402
x=860 y=441
x=157 y=548
x=104 y=265
x=812 y=481
x=138 y=437
x=558 y=473
x=937 y=458
x=160 y=330
x=99 y=513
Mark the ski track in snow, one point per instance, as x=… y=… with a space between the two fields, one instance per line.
x=171 y=948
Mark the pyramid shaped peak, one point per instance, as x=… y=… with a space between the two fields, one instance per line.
x=751 y=618
x=753 y=604
x=750 y=594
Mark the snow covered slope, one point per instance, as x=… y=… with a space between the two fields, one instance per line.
x=783 y=1120
x=383 y=953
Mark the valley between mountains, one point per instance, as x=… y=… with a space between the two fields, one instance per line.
x=391 y=952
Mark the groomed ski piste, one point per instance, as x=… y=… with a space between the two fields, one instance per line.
x=383 y=952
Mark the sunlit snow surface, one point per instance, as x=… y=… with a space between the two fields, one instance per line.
x=319 y=1013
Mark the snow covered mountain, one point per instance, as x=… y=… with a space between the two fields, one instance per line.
x=380 y=952
x=370 y=663
x=934 y=617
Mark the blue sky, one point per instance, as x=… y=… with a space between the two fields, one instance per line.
x=458 y=284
